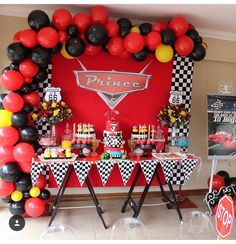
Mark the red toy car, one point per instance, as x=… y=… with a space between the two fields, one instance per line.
x=220 y=136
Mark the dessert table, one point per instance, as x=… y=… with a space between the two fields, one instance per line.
x=176 y=171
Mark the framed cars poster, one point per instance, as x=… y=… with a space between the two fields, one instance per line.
x=221 y=126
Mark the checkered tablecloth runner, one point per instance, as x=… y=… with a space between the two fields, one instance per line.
x=177 y=172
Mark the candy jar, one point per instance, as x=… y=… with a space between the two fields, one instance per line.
x=67 y=138
x=159 y=140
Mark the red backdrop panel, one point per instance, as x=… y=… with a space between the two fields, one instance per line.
x=136 y=108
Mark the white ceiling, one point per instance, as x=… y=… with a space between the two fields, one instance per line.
x=211 y=20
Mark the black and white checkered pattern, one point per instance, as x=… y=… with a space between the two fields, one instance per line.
x=126 y=168
x=82 y=169
x=104 y=169
x=148 y=168
x=182 y=75
x=167 y=167
x=187 y=166
x=178 y=177
x=37 y=169
x=59 y=171
x=113 y=141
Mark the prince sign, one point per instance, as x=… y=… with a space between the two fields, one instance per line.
x=222 y=126
x=111 y=86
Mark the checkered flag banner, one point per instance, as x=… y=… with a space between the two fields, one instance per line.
x=177 y=177
x=167 y=167
x=113 y=141
x=59 y=171
x=105 y=168
x=37 y=169
x=82 y=169
x=126 y=168
x=182 y=75
x=148 y=168
x=187 y=166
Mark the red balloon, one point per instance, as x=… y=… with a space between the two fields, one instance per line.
x=178 y=25
x=23 y=152
x=116 y=46
x=28 y=80
x=134 y=42
x=217 y=182
x=62 y=36
x=12 y=80
x=153 y=39
x=48 y=37
x=99 y=15
x=159 y=26
x=25 y=167
x=41 y=182
x=125 y=54
x=184 y=45
x=28 y=68
x=61 y=19
x=8 y=136
x=6 y=188
x=190 y=26
x=13 y=102
x=6 y=154
x=28 y=38
x=34 y=207
x=112 y=28
x=16 y=37
x=82 y=22
x=92 y=50
x=32 y=98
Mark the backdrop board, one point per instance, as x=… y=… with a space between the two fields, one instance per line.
x=221 y=126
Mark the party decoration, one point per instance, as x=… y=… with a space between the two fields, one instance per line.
x=28 y=134
x=194 y=35
x=99 y=15
x=25 y=89
x=112 y=28
x=217 y=182
x=6 y=200
x=199 y=52
x=75 y=46
x=38 y=19
x=14 y=66
x=61 y=19
x=145 y=28
x=34 y=207
x=13 y=102
x=225 y=176
x=10 y=172
x=23 y=152
x=34 y=191
x=184 y=45
x=24 y=183
x=124 y=22
x=1 y=98
x=41 y=182
x=116 y=46
x=168 y=37
x=16 y=52
x=72 y=30
x=57 y=48
x=135 y=29
x=64 y=52
x=32 y=98
x=45 y=195
x=11 y=80
x=153 y=40
x=142 y=55
x=28 y=68
x=19 y=119
x=8 y=136
x=81 y=21
x=164 y=53
x=159 y=26
x=63 y=36
x=92 y=50
x=232 y=182
x=27 y=108
x=48 y=37
x=179 y=25
x=6 y=69
x=134 y=42
x=28 y=38
x=16 y=196
x=17 y=208
x=41 y=55
x=5 y=118
x=16 y=37
x=6 y=188
x=96 y=34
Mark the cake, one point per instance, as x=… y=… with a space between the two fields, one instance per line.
x=113 y=139
x=85 y=134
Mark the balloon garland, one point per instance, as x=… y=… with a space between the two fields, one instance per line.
x=71 y=36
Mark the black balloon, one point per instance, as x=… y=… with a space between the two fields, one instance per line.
x=6 y=199
x=41 y=75
x=17 y=52
x=198 y=53
x=141 y=56
x=26 y=195
x=27 y=108
x=6 y=69
x=38 y=19
x=232 y=182
x=34 y=86
x=41 y=55
x=1 y=98
x=14 y=66
x=168 y=37
x=72 y=30
x=124 y=22
x=44 y=194
x=96 y=34
x=225 y=175
x=29 y=134
x=145 y=28
x=124 y=31
x=25 y=89
x=193 y=34
x=199 y=40
x=105 y=46
x=10 y=172
x=57 y=48
x=19 y=92
x=17 y=208
x=36 y=146
x=19 y=119
x=75 y=46
x=24 y=183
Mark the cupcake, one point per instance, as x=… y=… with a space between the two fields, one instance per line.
x=68 y=154
x=54 y=154
x=61 y=154
x=47 y=154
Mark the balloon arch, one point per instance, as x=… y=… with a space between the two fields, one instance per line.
x=30 y=53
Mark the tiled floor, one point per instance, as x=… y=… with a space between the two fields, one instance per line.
x=161 y=223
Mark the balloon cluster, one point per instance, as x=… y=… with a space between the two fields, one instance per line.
x=221 y=179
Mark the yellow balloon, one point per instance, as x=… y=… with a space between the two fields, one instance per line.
x=164 y=53
x=5 y=118
x=64 y=53
x=34 y=191
x=135 y=29
x=16 y=196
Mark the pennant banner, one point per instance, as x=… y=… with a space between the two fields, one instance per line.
x=59 y=171
x=167 y=167
x=126 y=168
x=105 y=168
x=187 y=166
x=36 y=170
x=148 y=168
x=82 y=169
